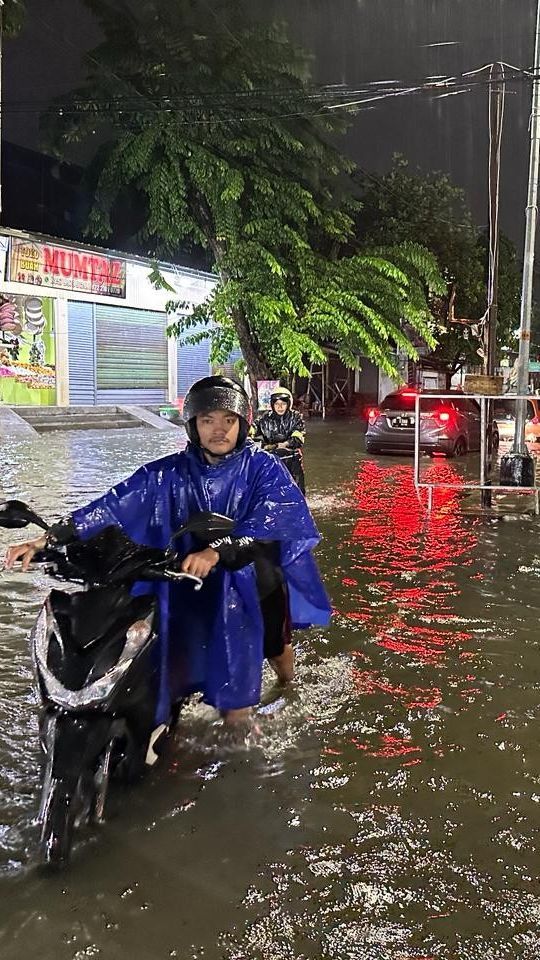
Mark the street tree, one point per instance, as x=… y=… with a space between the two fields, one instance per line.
x=218 y=130
x=402 y=206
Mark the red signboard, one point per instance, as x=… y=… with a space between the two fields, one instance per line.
x=47 y=265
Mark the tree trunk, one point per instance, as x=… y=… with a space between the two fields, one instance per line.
x=257 y=369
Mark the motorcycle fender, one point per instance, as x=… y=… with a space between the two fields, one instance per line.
x=73 y=743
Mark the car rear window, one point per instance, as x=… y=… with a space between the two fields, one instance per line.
x=406 y=401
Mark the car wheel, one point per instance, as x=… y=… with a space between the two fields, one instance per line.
x=460 y=448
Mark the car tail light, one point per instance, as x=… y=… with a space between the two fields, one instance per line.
x=409 y=393
x=444 y=416
x=373 y=414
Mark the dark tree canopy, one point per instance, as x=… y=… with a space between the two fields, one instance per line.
x=222 y=137
x=403 y=206
x=13 y=17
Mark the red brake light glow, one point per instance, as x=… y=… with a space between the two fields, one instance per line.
x=409 y=393
x=444 y=415
x=373 y=413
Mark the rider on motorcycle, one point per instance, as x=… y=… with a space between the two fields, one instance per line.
x=282 y=431
x=265 y=579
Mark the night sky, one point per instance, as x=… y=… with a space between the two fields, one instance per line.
x=354 y=42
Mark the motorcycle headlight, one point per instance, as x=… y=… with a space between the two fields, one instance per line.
x=42 y=633
x=97 y=691
x=137 y=635
x=39 y=638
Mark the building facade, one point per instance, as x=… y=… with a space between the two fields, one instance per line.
x=85 y=326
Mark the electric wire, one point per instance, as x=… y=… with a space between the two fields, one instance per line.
x=153 y=102
x=153 y=105
x=367 y=94
x=126 y=104
x=148 y=104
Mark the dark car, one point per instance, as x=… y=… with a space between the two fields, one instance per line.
x=448 y=424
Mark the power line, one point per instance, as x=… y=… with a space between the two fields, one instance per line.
x=86 y=54
x=400 y=87
x=147 y=103
x=196 y=102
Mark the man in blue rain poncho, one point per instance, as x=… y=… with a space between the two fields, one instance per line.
x=263 y=579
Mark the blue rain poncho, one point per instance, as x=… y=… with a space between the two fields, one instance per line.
x=212 y=640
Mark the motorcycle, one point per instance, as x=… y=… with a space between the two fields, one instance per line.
x=95 y=674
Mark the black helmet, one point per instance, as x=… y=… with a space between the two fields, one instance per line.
x=216 y=393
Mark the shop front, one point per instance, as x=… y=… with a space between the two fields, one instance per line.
x=83 y=326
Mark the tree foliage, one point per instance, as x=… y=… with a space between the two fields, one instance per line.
x=359 y=304
x=217 y=128
x=401 y=206
x=13 y=17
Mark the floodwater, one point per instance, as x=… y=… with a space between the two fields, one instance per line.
x=388 y=807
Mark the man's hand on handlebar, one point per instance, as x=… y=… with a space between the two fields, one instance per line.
x=25 y=552
x=200 y=564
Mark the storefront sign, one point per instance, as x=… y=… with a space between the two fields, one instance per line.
x=47 y=265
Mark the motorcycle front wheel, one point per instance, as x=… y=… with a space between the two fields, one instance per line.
x=74 y=749
x=59 y=815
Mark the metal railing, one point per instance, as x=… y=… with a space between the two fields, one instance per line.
x=430 y=486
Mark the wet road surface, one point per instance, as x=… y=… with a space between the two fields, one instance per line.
x=388 y=807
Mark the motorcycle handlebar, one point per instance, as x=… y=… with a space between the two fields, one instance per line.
x=48 y=555
x=112 y=558
x=62 y=569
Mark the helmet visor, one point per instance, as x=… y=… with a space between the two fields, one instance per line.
x=283 y=395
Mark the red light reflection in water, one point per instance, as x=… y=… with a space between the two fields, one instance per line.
x=410 y=559
x=390 y=747
x=401 y=541
x=366 y=681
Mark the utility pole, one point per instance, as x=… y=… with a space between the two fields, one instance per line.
x=496 y=111
x=496 y=115
x=517 y=467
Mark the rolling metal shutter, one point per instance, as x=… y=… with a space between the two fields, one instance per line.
x=131 y=353
x=82 y=354
x=193 y=364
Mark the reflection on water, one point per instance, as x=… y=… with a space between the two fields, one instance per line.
x=413 y=557
x=385 y=807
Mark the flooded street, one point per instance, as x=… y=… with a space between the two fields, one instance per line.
x=389 y=805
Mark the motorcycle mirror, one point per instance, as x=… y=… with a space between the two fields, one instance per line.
x=207 y=526
x=15 y=514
